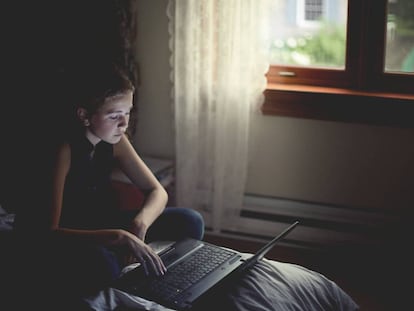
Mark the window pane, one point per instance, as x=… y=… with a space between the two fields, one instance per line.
x=399 y=55
x=309 y=33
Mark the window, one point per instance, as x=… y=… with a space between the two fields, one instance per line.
x=310 y=11
x=361 y=48
x=309 y=33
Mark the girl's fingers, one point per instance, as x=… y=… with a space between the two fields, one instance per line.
x=145 y=267
x=151 y=262
x=155 y=264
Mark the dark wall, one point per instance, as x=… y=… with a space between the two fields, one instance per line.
x=47 y=46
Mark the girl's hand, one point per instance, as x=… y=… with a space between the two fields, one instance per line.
x=127 y=258
x=144 y=254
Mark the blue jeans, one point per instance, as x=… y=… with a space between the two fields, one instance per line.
x=176 y=223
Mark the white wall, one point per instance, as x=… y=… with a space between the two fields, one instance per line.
x=319 y=161
x=332 y=162
x=155 y=132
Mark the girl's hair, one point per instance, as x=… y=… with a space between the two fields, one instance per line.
x=100 y=85
x=90 y=88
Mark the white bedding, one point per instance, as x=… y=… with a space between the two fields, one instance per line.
x=6 y=220
x=269 y=285
x=273 y=285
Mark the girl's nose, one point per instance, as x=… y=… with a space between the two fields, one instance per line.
x=123 y=121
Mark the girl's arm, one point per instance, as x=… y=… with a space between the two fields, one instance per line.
x=138 y=172
x=61 y=169
x=104 y=237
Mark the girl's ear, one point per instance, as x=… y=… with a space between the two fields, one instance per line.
x=82 y=114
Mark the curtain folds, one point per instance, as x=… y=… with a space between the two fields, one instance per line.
x=219 y=57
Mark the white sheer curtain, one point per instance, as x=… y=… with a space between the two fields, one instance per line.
x=219 y=60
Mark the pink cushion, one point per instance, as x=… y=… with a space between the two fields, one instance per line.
x=130 y=197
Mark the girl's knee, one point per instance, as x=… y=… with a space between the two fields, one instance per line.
x=191 y=222
x=177 y=223
x=197 y=224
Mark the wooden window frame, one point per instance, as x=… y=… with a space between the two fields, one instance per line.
x=360 y=93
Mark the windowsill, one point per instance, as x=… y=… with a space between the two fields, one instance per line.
x=338 y=104
x=333 y=90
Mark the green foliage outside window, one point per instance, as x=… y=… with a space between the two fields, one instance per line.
x=323 y=48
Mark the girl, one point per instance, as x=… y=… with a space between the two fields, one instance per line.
x=92 y=238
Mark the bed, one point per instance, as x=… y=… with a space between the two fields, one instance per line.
x=269 y=285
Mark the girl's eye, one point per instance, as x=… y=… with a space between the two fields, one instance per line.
x=118 y=116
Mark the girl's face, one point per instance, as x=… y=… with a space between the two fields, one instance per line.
x=110 y=121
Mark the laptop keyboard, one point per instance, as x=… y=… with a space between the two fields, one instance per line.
x=181 y=276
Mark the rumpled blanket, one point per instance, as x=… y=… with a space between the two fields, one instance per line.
x=114 y=299
x=6 y=220
x=273 y=285
x=269 y=285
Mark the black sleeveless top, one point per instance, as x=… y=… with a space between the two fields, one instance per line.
x=88 y=200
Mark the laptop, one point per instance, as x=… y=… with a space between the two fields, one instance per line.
x=193 y=268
